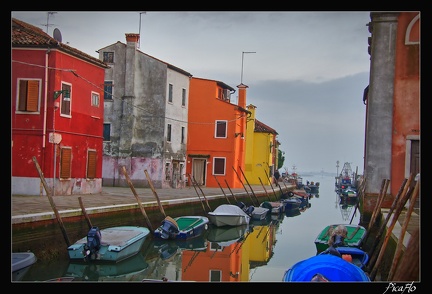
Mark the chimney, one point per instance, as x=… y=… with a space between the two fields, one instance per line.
x=242 y=95
x=132 y=39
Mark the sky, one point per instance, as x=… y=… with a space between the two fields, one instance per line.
x=305 y=71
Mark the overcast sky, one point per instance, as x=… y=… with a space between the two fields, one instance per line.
x=306 y=77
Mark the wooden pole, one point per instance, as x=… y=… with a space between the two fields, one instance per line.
x=221 y=189
x=268 y=177
x=154 y=192
x=247 y=192
x=382 y=194
x=264 y=188
x=226 y=183
x=247 y=182
x=403 y=231
x=401 y=191
x=196 y=191
x=123 y=169
x=375 y=261
x=85 y=213
x=202 y=192
x=51 y=201
x=360 y=188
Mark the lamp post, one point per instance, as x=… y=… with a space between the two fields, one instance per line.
x=243 y=53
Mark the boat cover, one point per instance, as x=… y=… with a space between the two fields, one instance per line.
x=332 y=268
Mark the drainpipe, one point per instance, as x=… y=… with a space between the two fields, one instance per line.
x=45 y=100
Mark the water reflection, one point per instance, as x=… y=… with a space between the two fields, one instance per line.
x=259 y=252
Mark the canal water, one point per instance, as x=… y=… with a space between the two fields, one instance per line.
x=260 y=252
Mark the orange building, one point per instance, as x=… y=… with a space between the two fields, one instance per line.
x=216 y=134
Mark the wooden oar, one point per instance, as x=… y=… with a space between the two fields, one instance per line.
x=123 y=169
x=51 y=201
x=221 y=189
x=264 y=188
x=196 y=191
x=395 y=216
x=202 y=192
x=403 y=231
x=247 y=182
x=192 y=224
x=226 y=183
x=353 y=233
x=154 y=192
x=85 y=213
x=247 y=192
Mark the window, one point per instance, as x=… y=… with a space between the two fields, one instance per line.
x=108 y=85
x=108 y=57
x=65 y=163
x=219 y=166
x=169 y=133
x=215 y=276
x=182 y=135
x=107 y=132
x=28 y=95
x=221 y=126
x=167 y=171
x=91 y=164
x=170 y=93
x=95 y=99
x=66 y=99
x=183 y=97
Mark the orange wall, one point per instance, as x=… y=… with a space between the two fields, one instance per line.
x=204 y=109
x=406 y=120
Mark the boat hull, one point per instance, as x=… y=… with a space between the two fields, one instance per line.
x=22 y=260
x=118 y=243
x=187 y=227
x=355 y=236
x=228 y=215
x=332 y=268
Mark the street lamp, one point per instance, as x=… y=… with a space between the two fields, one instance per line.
x=243 y=53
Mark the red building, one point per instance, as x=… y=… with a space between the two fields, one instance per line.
x=57 y=114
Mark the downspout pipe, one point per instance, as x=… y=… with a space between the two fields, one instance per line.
x=45 y=100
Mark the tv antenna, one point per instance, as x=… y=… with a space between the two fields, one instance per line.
x=139 y=31
x=47 y=23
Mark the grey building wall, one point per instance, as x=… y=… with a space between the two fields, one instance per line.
x=379 y=116
x=137 y=114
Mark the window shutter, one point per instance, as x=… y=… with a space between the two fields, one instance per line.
x=65 y=163
x=32 y=95
x=91 y=165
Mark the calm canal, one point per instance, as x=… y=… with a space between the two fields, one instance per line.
x=261 y=252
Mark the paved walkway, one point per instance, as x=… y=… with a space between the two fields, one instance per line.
x=25 y=208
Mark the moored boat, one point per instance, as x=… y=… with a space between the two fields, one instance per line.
x=22 y=260
x=325 y=268
x=110 y=244
x=182 y=227
x=354 y=255
x=340 y=235
x=228 y=215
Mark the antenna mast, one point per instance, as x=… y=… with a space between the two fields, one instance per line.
x=139 y=31
x=48 y=16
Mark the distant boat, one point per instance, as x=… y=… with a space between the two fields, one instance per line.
x=182 y=227
x=228 y=215
x=111 y=244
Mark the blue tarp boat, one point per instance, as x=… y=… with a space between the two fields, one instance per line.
x=325 y=268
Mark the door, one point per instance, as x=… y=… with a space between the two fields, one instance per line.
x=199 y=170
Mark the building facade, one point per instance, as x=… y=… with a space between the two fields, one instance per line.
x=146 y=105
x=56 y=113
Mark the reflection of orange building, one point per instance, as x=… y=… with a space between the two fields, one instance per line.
x=222 y=261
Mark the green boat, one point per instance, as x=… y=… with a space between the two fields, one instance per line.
x=342 y=235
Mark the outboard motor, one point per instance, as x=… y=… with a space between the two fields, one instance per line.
x=169 y=228
x=338 y=241
x=249 y=210
x=91 y=248
x=241 y=205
